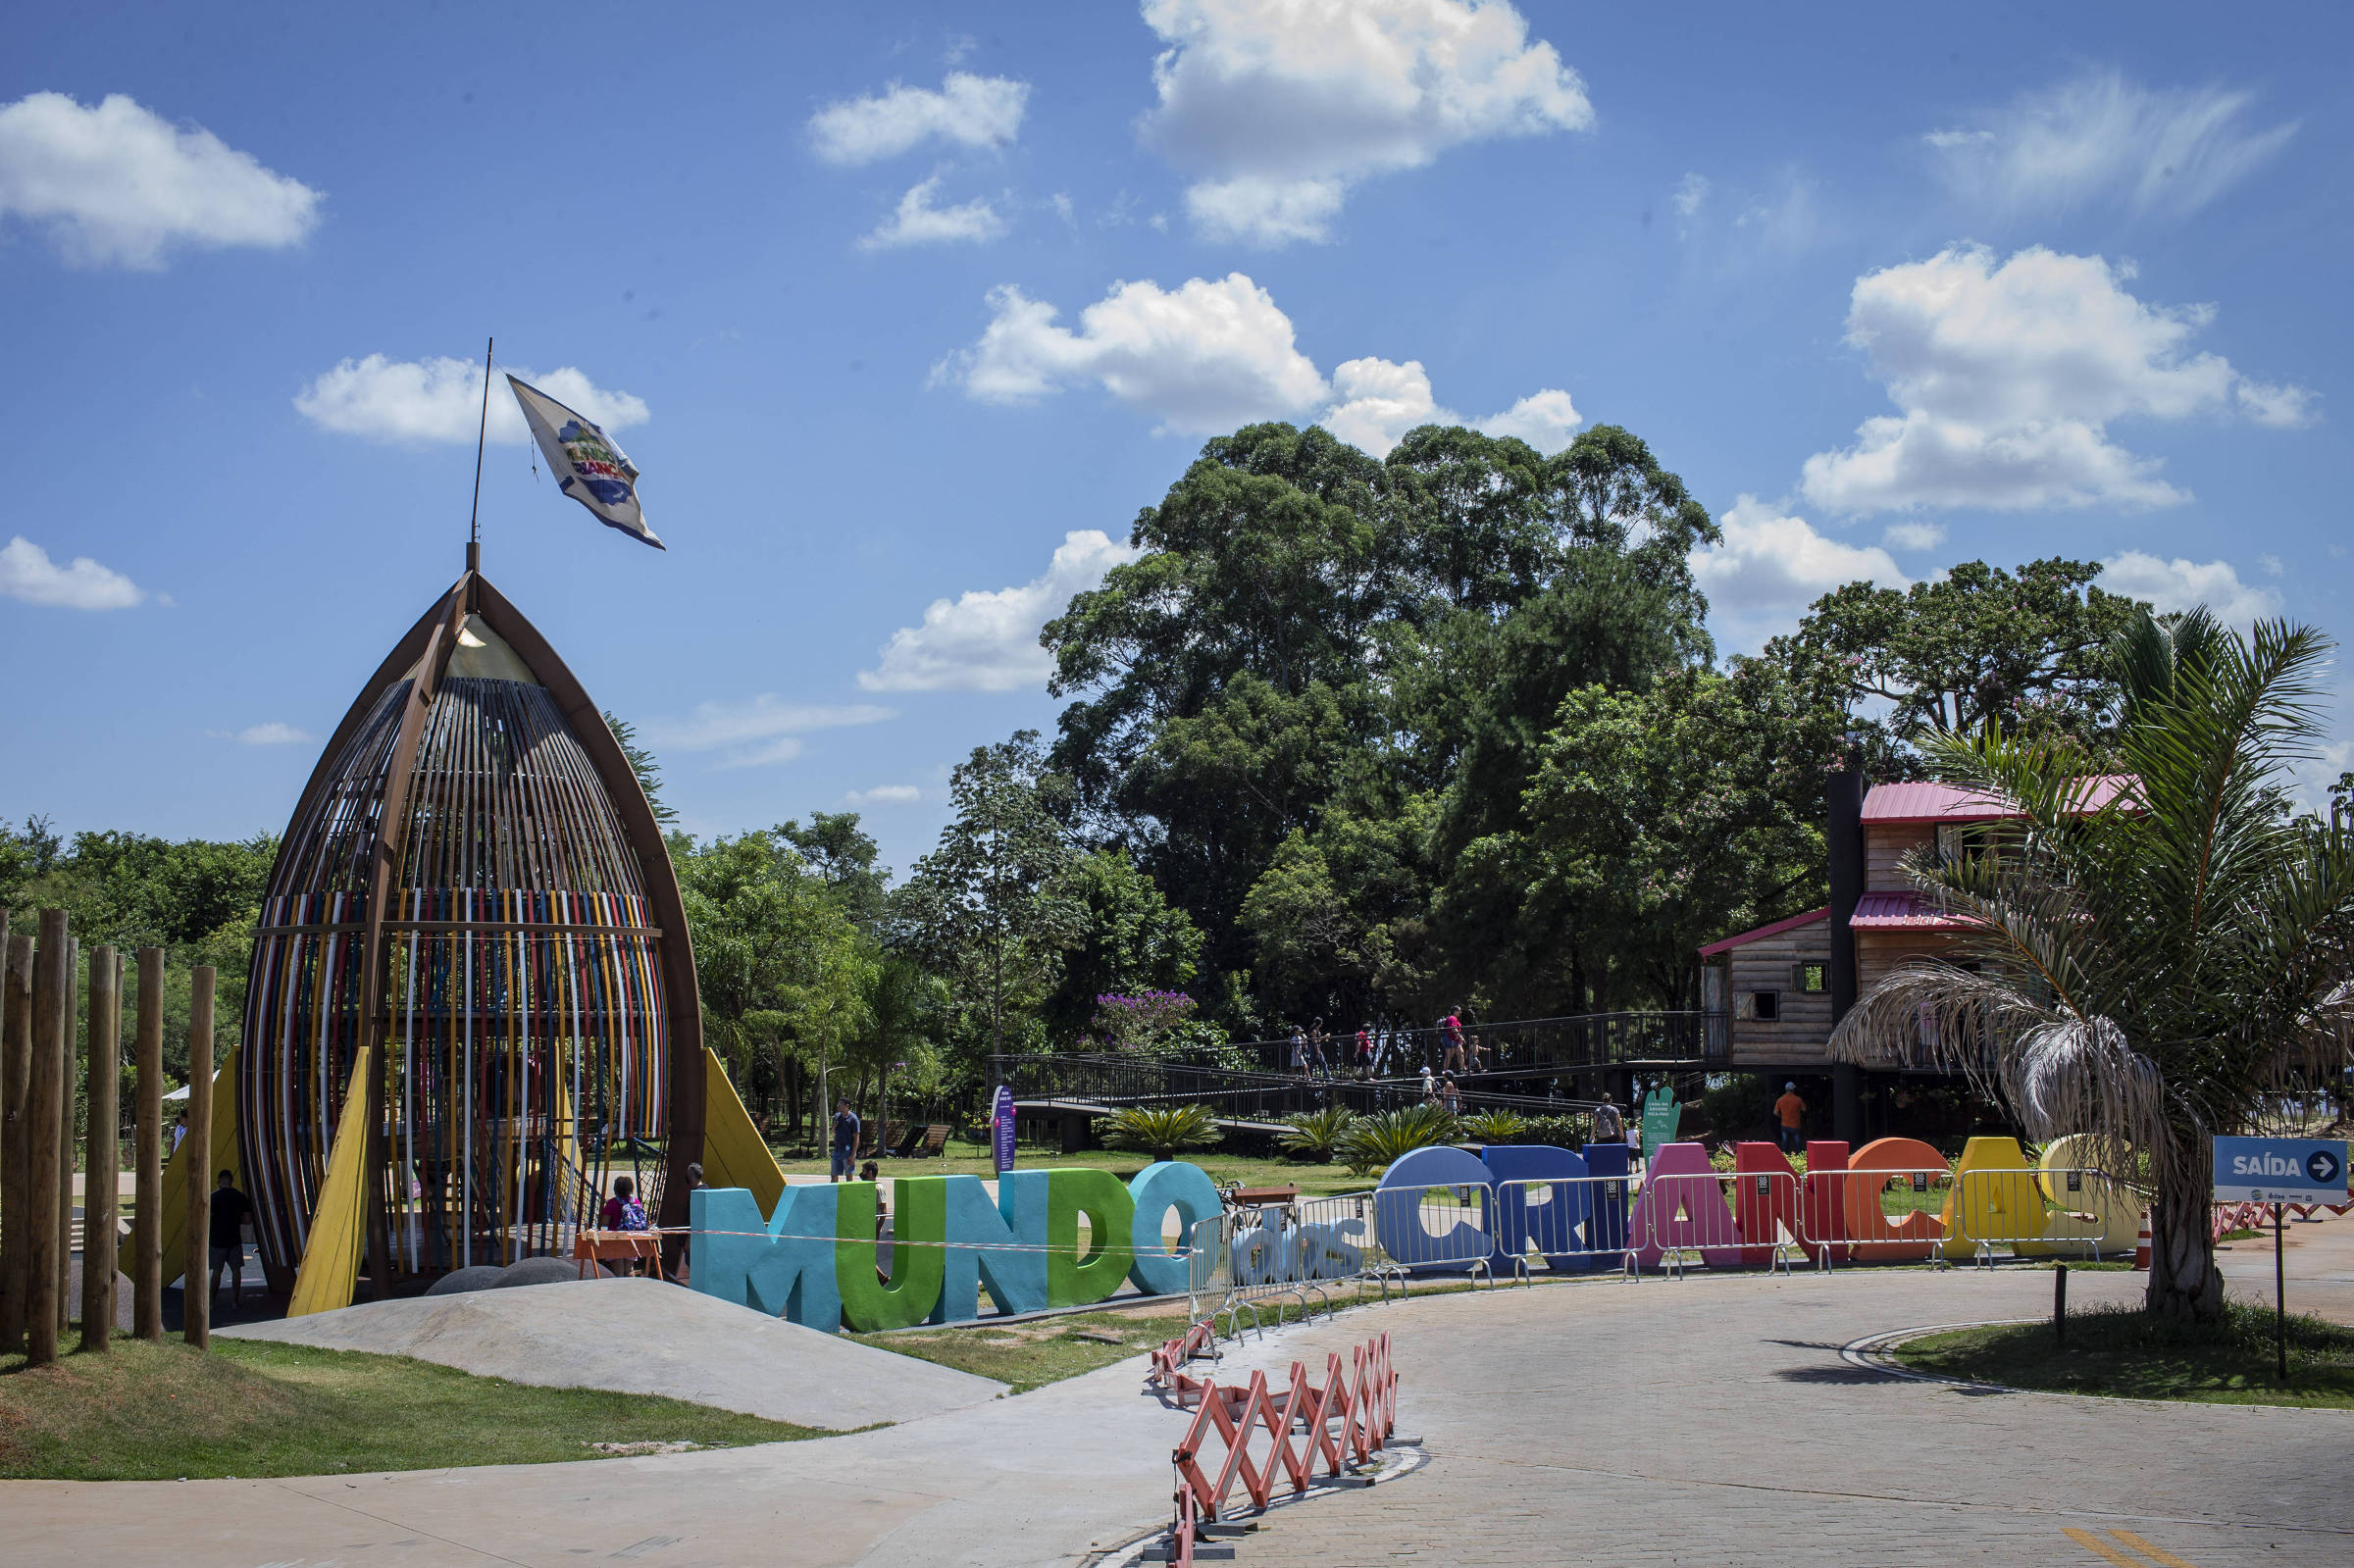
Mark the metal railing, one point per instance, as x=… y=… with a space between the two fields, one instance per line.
x=1120 y=1082
x=1537 y=1047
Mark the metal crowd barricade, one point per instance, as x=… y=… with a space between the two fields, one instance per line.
x=2058 y=1212
x=1574 y=1224
x=1442 y=1226
x=1846 y=1212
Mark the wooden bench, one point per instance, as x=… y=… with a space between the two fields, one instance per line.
x=1252 y=1197
x=592 y=1248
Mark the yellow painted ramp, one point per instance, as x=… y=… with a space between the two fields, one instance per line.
x=174 y=1207
x=733 y=1152
x=331 y=1258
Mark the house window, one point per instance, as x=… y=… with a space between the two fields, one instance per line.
x=1810 y=978
x=1964 y=843
x=1764 y=1006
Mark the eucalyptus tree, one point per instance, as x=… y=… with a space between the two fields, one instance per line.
x=2151 y=967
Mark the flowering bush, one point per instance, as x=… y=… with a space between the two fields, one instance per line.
x=1156 y=1023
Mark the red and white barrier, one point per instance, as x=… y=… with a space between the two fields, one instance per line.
x=1265 y=1438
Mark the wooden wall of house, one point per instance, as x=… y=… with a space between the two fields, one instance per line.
x=1768 y=963
x=1885 y=844
x=1880 y=951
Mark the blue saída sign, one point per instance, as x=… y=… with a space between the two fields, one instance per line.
x=2280 y=1170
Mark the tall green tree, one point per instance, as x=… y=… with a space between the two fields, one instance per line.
x=987 y=909
x=643 y=765
x=2154 y=970
x=782 y=968
x=2024 y=650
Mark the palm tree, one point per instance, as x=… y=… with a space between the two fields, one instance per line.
x=2163 y=967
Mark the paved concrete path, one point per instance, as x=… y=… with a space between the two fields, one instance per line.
x=1709 y=1420
x=640 y=1336
x=1714 y=1420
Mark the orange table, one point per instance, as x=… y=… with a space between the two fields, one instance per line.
x=598 y=1246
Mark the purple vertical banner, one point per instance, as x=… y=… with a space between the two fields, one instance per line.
x=1000 y=1117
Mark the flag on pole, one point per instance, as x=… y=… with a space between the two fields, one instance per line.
x=588 y=466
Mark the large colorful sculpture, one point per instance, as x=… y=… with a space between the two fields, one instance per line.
x=474 y=885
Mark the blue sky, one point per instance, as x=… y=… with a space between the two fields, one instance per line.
x=905 y=311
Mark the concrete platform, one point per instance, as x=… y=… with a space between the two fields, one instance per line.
x=637 y=1336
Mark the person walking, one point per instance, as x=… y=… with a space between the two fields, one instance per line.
x=1451 y=1033
x=1792 y=1113
x=1299 y=1050
x=1318 y=1066
x=1364 y=1051
x=1451 y=1097
x=230 y=1207
x=1608 y=1125
x=845 y=1142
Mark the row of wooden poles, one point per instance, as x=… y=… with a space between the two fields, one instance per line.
x=36 y=1146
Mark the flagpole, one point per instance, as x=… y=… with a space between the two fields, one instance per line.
x=474 y=524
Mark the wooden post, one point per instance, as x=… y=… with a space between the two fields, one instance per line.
x=52 y=979
x=196 y=1291
x=16 y=1131
x=147 y=1217
x=68 y=1017
x=100 y=1156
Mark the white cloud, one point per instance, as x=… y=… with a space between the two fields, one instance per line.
x=1278 y=106
x=272 y=733
x=2181 y=583
x=442 y=400
x=2008 y=376
x=1913 y=535
x=2100 y=138
x=1690 y=192
x=884 y=795
x=1770 y=567
x=969 y=111
x=917 y=222
x=2288 y=408
x=758 y=731
x=28 y=574
x=1376 y=401
x=2271 y=563
x=1204 y=357
x=118 y=184
x=988 y=642
x=1545 y=420
x=1207 y=356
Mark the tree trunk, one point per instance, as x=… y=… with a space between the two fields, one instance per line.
x=2184 y=1282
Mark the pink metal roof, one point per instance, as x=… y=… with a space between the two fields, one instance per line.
x=1728 y=944
x=1938 y=802
x=1901 y=912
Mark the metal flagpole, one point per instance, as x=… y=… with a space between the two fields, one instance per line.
x=474 y=524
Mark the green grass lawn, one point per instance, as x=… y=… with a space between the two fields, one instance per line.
x=156 y=1412
x=2123 y=1353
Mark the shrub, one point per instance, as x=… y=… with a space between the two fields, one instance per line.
x=1375 y=1141
x=1316 y=1134
x=1160 y=1130
x=1496 y=1127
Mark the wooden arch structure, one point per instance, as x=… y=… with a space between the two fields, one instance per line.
x=472 y=886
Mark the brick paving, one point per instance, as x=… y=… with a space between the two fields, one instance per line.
x=1713 y=1420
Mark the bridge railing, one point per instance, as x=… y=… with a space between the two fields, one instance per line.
x=1118 y=1082
x=1525 y=1048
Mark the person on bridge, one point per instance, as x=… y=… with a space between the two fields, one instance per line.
x=1364 y=1051
x=1792 y=1113
x=1450 y=1031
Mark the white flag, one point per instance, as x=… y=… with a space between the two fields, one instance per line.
x=588 y=466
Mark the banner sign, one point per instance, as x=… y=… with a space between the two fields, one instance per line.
x=1661 y=1117
x=2280 y=1170
x=1000 y=1127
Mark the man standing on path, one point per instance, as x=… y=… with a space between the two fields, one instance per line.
x=845 y=1142
x=1792 y=1112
